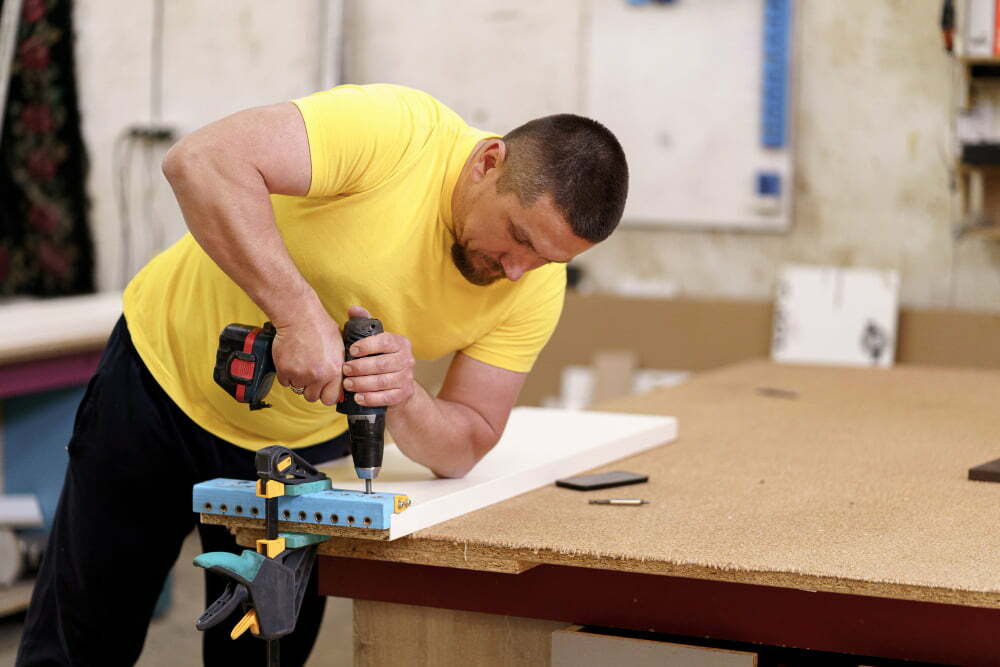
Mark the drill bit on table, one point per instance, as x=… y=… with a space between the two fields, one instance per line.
x=618 y=501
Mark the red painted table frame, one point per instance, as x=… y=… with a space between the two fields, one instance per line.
x=867 y=626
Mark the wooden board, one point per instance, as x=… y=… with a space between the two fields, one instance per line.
x=538 y=446
x=446 y=638
x=857 y=486
x=579 y=647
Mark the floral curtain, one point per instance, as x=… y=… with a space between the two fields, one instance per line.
x=45 y=245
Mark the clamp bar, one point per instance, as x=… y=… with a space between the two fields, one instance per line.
x=329 y=507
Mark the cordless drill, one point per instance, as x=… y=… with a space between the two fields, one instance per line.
x=366 y=425
x=244 y=367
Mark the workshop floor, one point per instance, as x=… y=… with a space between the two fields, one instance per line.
x=173 y=640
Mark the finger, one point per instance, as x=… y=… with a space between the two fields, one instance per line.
x=332 y=388
x=331 y=392
x=381 y=382
x=377 y=398
x=382 y=343
x=383 y=363
x=312 y=392
x=290 y=382
x=358 y=311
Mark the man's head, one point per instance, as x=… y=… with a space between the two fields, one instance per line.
x=547 y=191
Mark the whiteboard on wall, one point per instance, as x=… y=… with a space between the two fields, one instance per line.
x=680 y=84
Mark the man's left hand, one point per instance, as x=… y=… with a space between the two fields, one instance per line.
x=386 y=379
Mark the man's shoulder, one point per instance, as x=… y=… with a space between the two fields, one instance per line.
x=418 y=103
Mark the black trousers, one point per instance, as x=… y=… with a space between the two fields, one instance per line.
x=124 y=512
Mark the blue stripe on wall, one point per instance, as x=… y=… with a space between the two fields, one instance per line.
x=774 y=84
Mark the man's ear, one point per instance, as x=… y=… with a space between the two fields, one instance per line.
x=491 y=155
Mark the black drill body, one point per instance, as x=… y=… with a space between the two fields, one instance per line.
x=365 y=424
x=245 y=369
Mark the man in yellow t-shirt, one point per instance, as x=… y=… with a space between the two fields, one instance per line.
x=361 y=199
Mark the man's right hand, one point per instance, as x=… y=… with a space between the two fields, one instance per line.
x=308 y=353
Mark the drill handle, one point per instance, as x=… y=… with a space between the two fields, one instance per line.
x=355 y=329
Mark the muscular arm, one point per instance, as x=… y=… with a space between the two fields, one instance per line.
x=449 y=433
x=222 y=176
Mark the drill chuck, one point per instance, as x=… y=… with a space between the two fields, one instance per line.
x=367 y=439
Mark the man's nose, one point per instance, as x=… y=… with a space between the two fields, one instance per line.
x=517 y=264
x=513 y=267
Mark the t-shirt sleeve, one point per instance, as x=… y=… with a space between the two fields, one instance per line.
x=359 y=136
x=517 y=340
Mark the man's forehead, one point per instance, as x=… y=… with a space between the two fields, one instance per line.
x=549 y=230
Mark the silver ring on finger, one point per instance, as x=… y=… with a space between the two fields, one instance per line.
x=297 y=390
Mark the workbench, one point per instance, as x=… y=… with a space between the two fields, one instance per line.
x=48 y=351
x=812 y=507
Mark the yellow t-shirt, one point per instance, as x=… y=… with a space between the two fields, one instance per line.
x=375 y=229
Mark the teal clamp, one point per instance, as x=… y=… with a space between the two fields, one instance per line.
x=299 y=540
x=273 y=587
x=244 y=567
x=308 y=487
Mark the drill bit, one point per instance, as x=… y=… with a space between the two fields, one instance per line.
x=618 y=501
x=368 y=486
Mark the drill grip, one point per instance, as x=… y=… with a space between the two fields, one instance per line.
x=355 y=329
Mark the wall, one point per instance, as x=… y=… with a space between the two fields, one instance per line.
x=218 y=57
x=871 y=171
x=870 y=123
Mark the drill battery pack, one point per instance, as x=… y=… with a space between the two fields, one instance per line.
x=244 y=366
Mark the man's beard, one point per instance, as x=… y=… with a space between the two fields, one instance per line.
x=486 y=272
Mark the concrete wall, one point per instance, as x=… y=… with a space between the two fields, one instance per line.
x=871 y=126
x=218 y=57
x=871 y=118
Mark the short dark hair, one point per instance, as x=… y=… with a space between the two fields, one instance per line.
x=576 y=160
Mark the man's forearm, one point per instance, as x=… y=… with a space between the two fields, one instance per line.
x=447 y=437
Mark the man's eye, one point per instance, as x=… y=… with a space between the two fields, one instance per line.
x=517 y=237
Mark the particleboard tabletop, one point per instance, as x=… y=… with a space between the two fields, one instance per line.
x=856 y=484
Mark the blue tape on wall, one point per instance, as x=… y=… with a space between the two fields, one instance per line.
x=774 y=82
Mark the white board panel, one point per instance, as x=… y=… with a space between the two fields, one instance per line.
x=834 y=315
x=538 y=446
x=680 y=85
